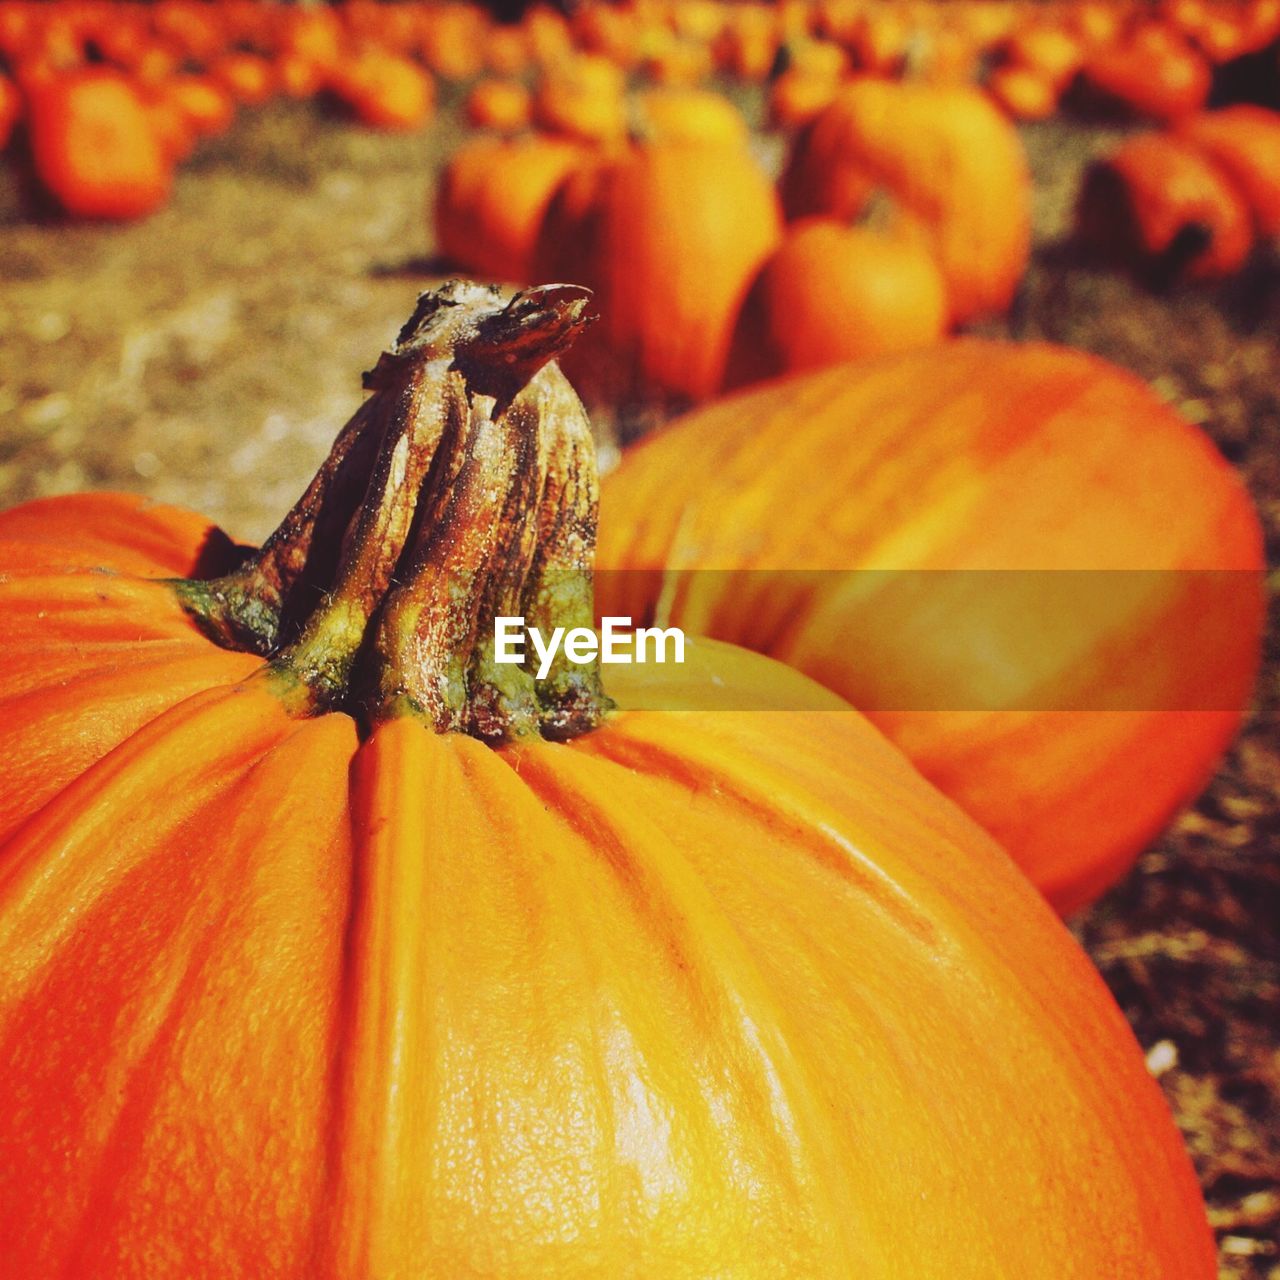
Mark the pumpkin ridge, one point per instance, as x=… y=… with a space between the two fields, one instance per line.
x=44 y=742
x=580 y=787
x=639 y=744
x=34 y=859
x=163 y=975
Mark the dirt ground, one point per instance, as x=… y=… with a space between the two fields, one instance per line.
x=207 y=356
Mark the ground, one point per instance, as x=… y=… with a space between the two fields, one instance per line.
x=207 y=356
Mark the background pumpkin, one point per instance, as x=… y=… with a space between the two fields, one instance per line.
x=1243 y=142
x=669 y=237
x=94 y=147
x=281 y=999
x=953 y=166
x=831 y=293
x=1159 y=204
x=491 y=200
x=970 y=456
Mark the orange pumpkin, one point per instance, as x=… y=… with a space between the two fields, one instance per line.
x=1070 y=714
x=94 y=146
x=386 y=90
x=491 y=200
x=10 y=108
x=296 y=984
x=950 y=161
x=688 y=115
x=209 y=108
x=249 y=78
x=832 y=293
x=1022 y=93
x=670 y=236
x=797 y=96
x=1152 y=74
x=1160 y=205
x=504 y=105
x=1243 y=142
x=1052 y=54
x=582 y=98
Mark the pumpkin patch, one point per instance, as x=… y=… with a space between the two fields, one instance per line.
x=450 y=879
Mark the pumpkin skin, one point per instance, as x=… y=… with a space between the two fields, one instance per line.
x=282 y=1003
x=286 y=1000
x=503 y=105
x=953 y=165
x=1022 y=93
x=969 y=456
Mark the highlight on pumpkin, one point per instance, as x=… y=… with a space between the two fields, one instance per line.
x=609 y=808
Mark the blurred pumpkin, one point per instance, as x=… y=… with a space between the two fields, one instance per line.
x=249 y=78
x=1021 y=93
x=1243 y=143
x=687 y=115
x=796 y=97
x=832 y=293
x=583 y=98
x=669 y=236
x=94 y=147
x=1151 y=73
x=504 y=105
x=1070 y=713
x=1159 y=205
x=385 y=90
x=950 y=161
x=491 y=200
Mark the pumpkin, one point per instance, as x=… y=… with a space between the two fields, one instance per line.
x=1052 y=54
x=582 y=98
x=300 y=983
x=491 y=200
x=300 y=76
x=94 y=146
x=385 y=90
x=1070 y=714
x=951 y=162
x=797 y=97
x=504 y=105
x=832 y=293
x=208 y=107
x=1159 y=204
x=670 y=236
x=1243 y=143
x=1022 y=93
x=248 y=78
x=699 y=116
x=1152 y=74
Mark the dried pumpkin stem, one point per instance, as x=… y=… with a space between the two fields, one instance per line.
x=464 y=489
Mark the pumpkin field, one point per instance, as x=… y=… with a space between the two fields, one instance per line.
x=336 y=949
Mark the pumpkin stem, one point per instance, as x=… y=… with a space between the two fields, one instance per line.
x=464 y=489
